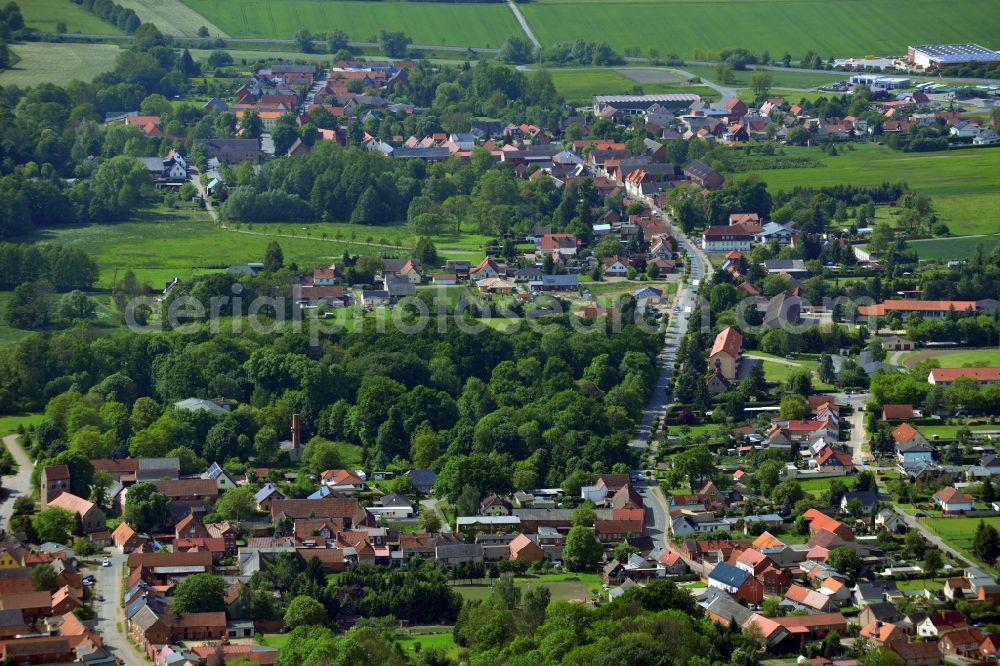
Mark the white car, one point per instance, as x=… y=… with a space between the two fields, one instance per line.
x=106 y=562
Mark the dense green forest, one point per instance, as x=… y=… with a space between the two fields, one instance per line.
x=489 y=410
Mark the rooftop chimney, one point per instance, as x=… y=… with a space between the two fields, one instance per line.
x=295 y=431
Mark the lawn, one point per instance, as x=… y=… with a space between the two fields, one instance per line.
x=951 y=358
x=274 y=640
x=918 y=584
x=820 y=487
x=45 y=14
x=958 y=532
x=954 y=248
x=483 y=25
x=9 y=424
x=440 y=640
x=44 y=62
x=949 y=431
x=564 y=587
x=776 y=371
x=351 y=455
x=965 y=185
x=796 y=26
x=172 y=17
x=971 y=357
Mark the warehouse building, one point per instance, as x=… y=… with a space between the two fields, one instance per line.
x=936 y=56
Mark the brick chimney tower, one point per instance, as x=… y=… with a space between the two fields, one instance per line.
x=295 y=431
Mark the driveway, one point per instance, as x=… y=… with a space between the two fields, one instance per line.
x=19 y=483
x=431 y=504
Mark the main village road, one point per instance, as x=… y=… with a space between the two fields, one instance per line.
x=110 y=615
x=658 y=522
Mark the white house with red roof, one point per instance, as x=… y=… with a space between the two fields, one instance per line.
x=343 y=480
x=952 y=500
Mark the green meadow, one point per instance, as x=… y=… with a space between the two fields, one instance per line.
x=451 y=24
x=44 y=15
x=44 y=62
x=830 y=28
x=965 y=184
x=163 y=244
x=958 y=532
x=954 y=248
x=579 y=86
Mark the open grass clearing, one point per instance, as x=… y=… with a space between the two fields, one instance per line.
x=10 y=423
x=428 y=640
x=959 y=532
x=796 y=26
x=964 y=184
x=172 y=17
x=820 y=487
x=451 y=24
x=278 y=641
x=45 y=62
x=44 y=15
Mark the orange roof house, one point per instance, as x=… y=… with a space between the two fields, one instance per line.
x=524 y=549
x=726 y=352
x=819 y=521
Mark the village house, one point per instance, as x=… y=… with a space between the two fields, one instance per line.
x=952 y=500
x=739 y=583
x=92 y=519
x=725 y=353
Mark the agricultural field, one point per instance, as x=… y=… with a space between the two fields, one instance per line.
x=43 y=62
x=954 y=248
x=253 y=55
x=45 y=14
x=172 y=17
x=796 y=26
x=965 y=185
x=483 y=25
x=780 y=79
x=958 y=532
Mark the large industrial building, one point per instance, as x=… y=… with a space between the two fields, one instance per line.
x=637 y=104
x=936 y=56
